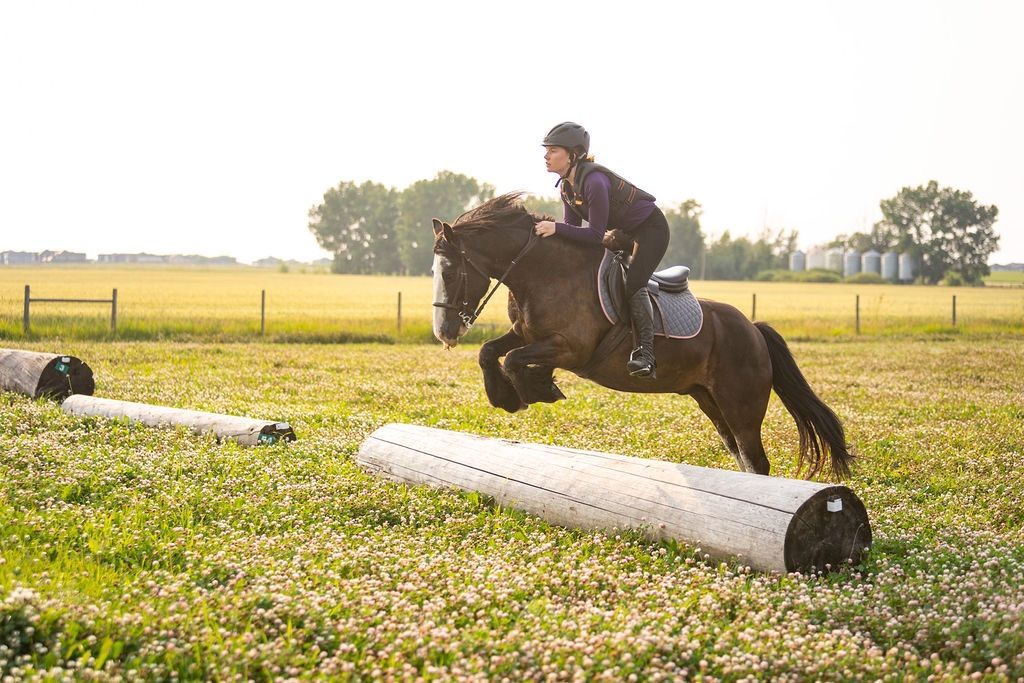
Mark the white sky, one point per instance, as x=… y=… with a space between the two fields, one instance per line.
x=212 y=127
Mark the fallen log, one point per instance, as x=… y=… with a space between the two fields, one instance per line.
x=246 y=431
x=767 y=523
x=44 y=374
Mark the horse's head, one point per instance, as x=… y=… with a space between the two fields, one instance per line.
x=479 y=247
x=459 y=284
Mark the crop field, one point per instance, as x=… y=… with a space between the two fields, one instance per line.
x=223 y=304
x=1006 y=278
x=135 y=553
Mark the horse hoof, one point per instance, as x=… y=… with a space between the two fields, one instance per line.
x=511 y=404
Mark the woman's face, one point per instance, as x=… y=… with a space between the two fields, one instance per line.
x=557 y=159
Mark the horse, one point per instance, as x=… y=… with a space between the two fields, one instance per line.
x=729 y=367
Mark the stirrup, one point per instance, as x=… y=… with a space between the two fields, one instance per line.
x=648 y=369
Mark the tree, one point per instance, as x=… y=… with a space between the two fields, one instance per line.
x=445 y=196
x=858 y=241
x=686 y=240
x=779 y=246
x=944 y=228
x=357 y=224
x=544 y=206
x=728 y=259
x=743 y=259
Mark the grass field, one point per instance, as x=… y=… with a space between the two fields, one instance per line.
x=222 y=304
x=137 y=553
x=1006 y=278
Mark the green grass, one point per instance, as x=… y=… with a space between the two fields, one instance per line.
x=223 y=304
x=136 y=552
x=1006 y=278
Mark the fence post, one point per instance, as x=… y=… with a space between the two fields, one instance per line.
x=113 y=311
x=399 y=313
x=25 y=319
x=858 y=314
x=753 y=308
x=954 y=310
x=263 y=312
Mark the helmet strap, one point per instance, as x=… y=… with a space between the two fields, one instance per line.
x=574 y=159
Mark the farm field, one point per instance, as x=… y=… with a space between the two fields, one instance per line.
x=223 y=304
x=134 y=553
x=1006 y=278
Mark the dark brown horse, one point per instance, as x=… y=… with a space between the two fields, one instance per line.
x=729 y=367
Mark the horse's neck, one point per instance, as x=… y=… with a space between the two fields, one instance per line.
x=554 y=261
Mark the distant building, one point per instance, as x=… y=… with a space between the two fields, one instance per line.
x=14 y=258
x=908 y=268
x=851 y=263
x=815 y=258
x=61 y=257
x=196 y=260
x=797 y=261
x=132 y=258
x=871 y=262
x=890 y=265
x=834 y=260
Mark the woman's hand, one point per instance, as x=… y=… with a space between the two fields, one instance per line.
x=545 y=228
x=617 y=240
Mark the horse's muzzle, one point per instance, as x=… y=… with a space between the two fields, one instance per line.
x=446 y=337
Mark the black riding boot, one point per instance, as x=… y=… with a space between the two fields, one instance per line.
x=642 y=362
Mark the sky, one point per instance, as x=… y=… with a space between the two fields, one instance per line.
x=213 y=127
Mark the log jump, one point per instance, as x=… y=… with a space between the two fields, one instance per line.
x=246 y=431
x=47 y=375
x=768 y=523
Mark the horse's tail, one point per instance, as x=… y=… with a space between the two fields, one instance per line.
x=821 y=432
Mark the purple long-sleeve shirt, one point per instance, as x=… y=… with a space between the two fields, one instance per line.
x=596 y=194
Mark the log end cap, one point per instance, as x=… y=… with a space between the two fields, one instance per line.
x=828 y=531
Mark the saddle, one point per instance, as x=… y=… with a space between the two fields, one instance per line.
x=677 y=313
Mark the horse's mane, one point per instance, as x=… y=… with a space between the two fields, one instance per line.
x=494 y=213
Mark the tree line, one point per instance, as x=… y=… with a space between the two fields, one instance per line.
x=371 y=228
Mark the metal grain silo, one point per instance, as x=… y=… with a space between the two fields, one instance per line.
x=908 y=268
x=815 y=258
x=890 y=265
x=834 y=260
x=871 y=262
x=851 y=263
x=798 y=261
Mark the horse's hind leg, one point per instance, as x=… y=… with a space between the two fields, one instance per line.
x=743 y=406
x=708 y=406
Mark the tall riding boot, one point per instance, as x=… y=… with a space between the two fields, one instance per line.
x=642 y=362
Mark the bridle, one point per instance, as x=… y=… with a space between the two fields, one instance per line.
x=466 y=313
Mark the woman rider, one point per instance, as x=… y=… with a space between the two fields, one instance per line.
x=606 y=200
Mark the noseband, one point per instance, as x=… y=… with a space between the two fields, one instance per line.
x=466 y=313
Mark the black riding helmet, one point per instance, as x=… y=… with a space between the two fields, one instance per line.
x=572 y=136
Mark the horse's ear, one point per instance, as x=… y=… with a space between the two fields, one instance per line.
x=449 y=234
x=438 y=226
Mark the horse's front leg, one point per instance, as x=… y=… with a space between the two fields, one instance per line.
x=500 y=391
x=531 y=369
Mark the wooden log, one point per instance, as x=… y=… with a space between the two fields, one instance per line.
x=246 y=431
x=768 y=523
x=44 y=374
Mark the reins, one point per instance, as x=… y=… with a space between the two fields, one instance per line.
x=468 y=319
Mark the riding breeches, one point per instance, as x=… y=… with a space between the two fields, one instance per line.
x=651 y=238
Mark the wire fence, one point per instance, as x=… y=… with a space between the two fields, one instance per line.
x=372 y=313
